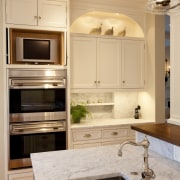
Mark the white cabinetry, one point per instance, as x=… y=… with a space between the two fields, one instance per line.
x=21 y=176
x=100 y=136
x=83 y=62
x=104 y=62
x=108 y=62
x=94 y=62
x=50 y=13
x=133 y=63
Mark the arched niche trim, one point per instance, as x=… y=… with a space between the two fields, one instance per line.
x=103 y=23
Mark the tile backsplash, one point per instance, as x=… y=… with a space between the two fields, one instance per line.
x=125 y=103
x=123 y=107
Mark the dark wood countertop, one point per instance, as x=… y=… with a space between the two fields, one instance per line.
x=164 y=131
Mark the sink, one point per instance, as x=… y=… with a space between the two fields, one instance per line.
x=113 y=178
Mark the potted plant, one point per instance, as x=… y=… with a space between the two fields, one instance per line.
x=78 y=112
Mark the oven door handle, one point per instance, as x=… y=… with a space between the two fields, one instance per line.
x=34 y=84
x=33 y=128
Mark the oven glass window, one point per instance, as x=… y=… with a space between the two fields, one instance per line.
x=22 y=145
x=37 y=100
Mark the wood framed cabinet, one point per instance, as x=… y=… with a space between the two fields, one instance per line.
x=37 y=12
x=106 y=62
x=94 y=62
x=100 y=136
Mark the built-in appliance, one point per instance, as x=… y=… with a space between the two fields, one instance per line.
x=37 y=113
x=36 y=50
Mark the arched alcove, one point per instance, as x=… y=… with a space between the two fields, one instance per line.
x=103 y=23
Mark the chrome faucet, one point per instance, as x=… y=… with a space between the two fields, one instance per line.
x=147 y=173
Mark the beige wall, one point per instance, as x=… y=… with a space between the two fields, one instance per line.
x=153 y=99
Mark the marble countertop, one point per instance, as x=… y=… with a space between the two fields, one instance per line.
x=108 y=122
x=100 y=162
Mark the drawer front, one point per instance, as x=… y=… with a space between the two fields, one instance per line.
x=86 y=135
x=114 y=133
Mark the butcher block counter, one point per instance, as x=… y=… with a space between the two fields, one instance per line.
x=163 y=131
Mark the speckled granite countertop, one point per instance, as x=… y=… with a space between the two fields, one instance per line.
x=99 y=162
x=108 y=122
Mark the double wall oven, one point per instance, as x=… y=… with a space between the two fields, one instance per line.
x=37 y=113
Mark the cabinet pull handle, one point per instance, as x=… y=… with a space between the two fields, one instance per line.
x=114 y=133
x=123 y=81
x=87 y=135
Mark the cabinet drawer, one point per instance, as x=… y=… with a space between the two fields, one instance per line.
x=21 y=176
x=86 y=135
x=114 y=133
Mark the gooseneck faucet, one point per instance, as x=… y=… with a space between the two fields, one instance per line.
x=147 y=173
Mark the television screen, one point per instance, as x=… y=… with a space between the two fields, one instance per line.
x=36 y=49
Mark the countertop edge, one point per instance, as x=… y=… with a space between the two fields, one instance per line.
x=164 y=131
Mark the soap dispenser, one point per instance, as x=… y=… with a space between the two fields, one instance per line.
x=136 y=113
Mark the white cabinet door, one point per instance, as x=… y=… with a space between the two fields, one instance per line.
x=108 y=63
x=83 y=62
x=21 y=12
x=52 y=13
x=21 y=176
x=133 y=64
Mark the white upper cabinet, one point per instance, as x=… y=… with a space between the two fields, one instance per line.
x=133 y=63
x=94 y=62
x=107 y=63
x=50 y=13
x=83 y=62
x=21 y=12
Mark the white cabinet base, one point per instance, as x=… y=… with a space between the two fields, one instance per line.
x=100 y=136
x=21 y=175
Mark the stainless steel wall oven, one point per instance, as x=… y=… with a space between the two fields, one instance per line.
x=37 y=113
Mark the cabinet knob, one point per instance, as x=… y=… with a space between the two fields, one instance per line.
x=35 y=17
x=87 y=135
x=95 y=82
x=39 y=17
x=114 y=133
x=99 y=82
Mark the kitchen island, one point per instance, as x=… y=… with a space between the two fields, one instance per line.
x=100 y=162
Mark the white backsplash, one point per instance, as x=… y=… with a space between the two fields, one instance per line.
x=124 y=104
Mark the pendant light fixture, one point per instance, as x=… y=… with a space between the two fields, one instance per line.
x=162 y=7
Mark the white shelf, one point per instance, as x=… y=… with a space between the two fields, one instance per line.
x=100 y=104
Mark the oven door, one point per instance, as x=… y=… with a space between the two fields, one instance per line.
x=37 y=100
x=27 y=138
